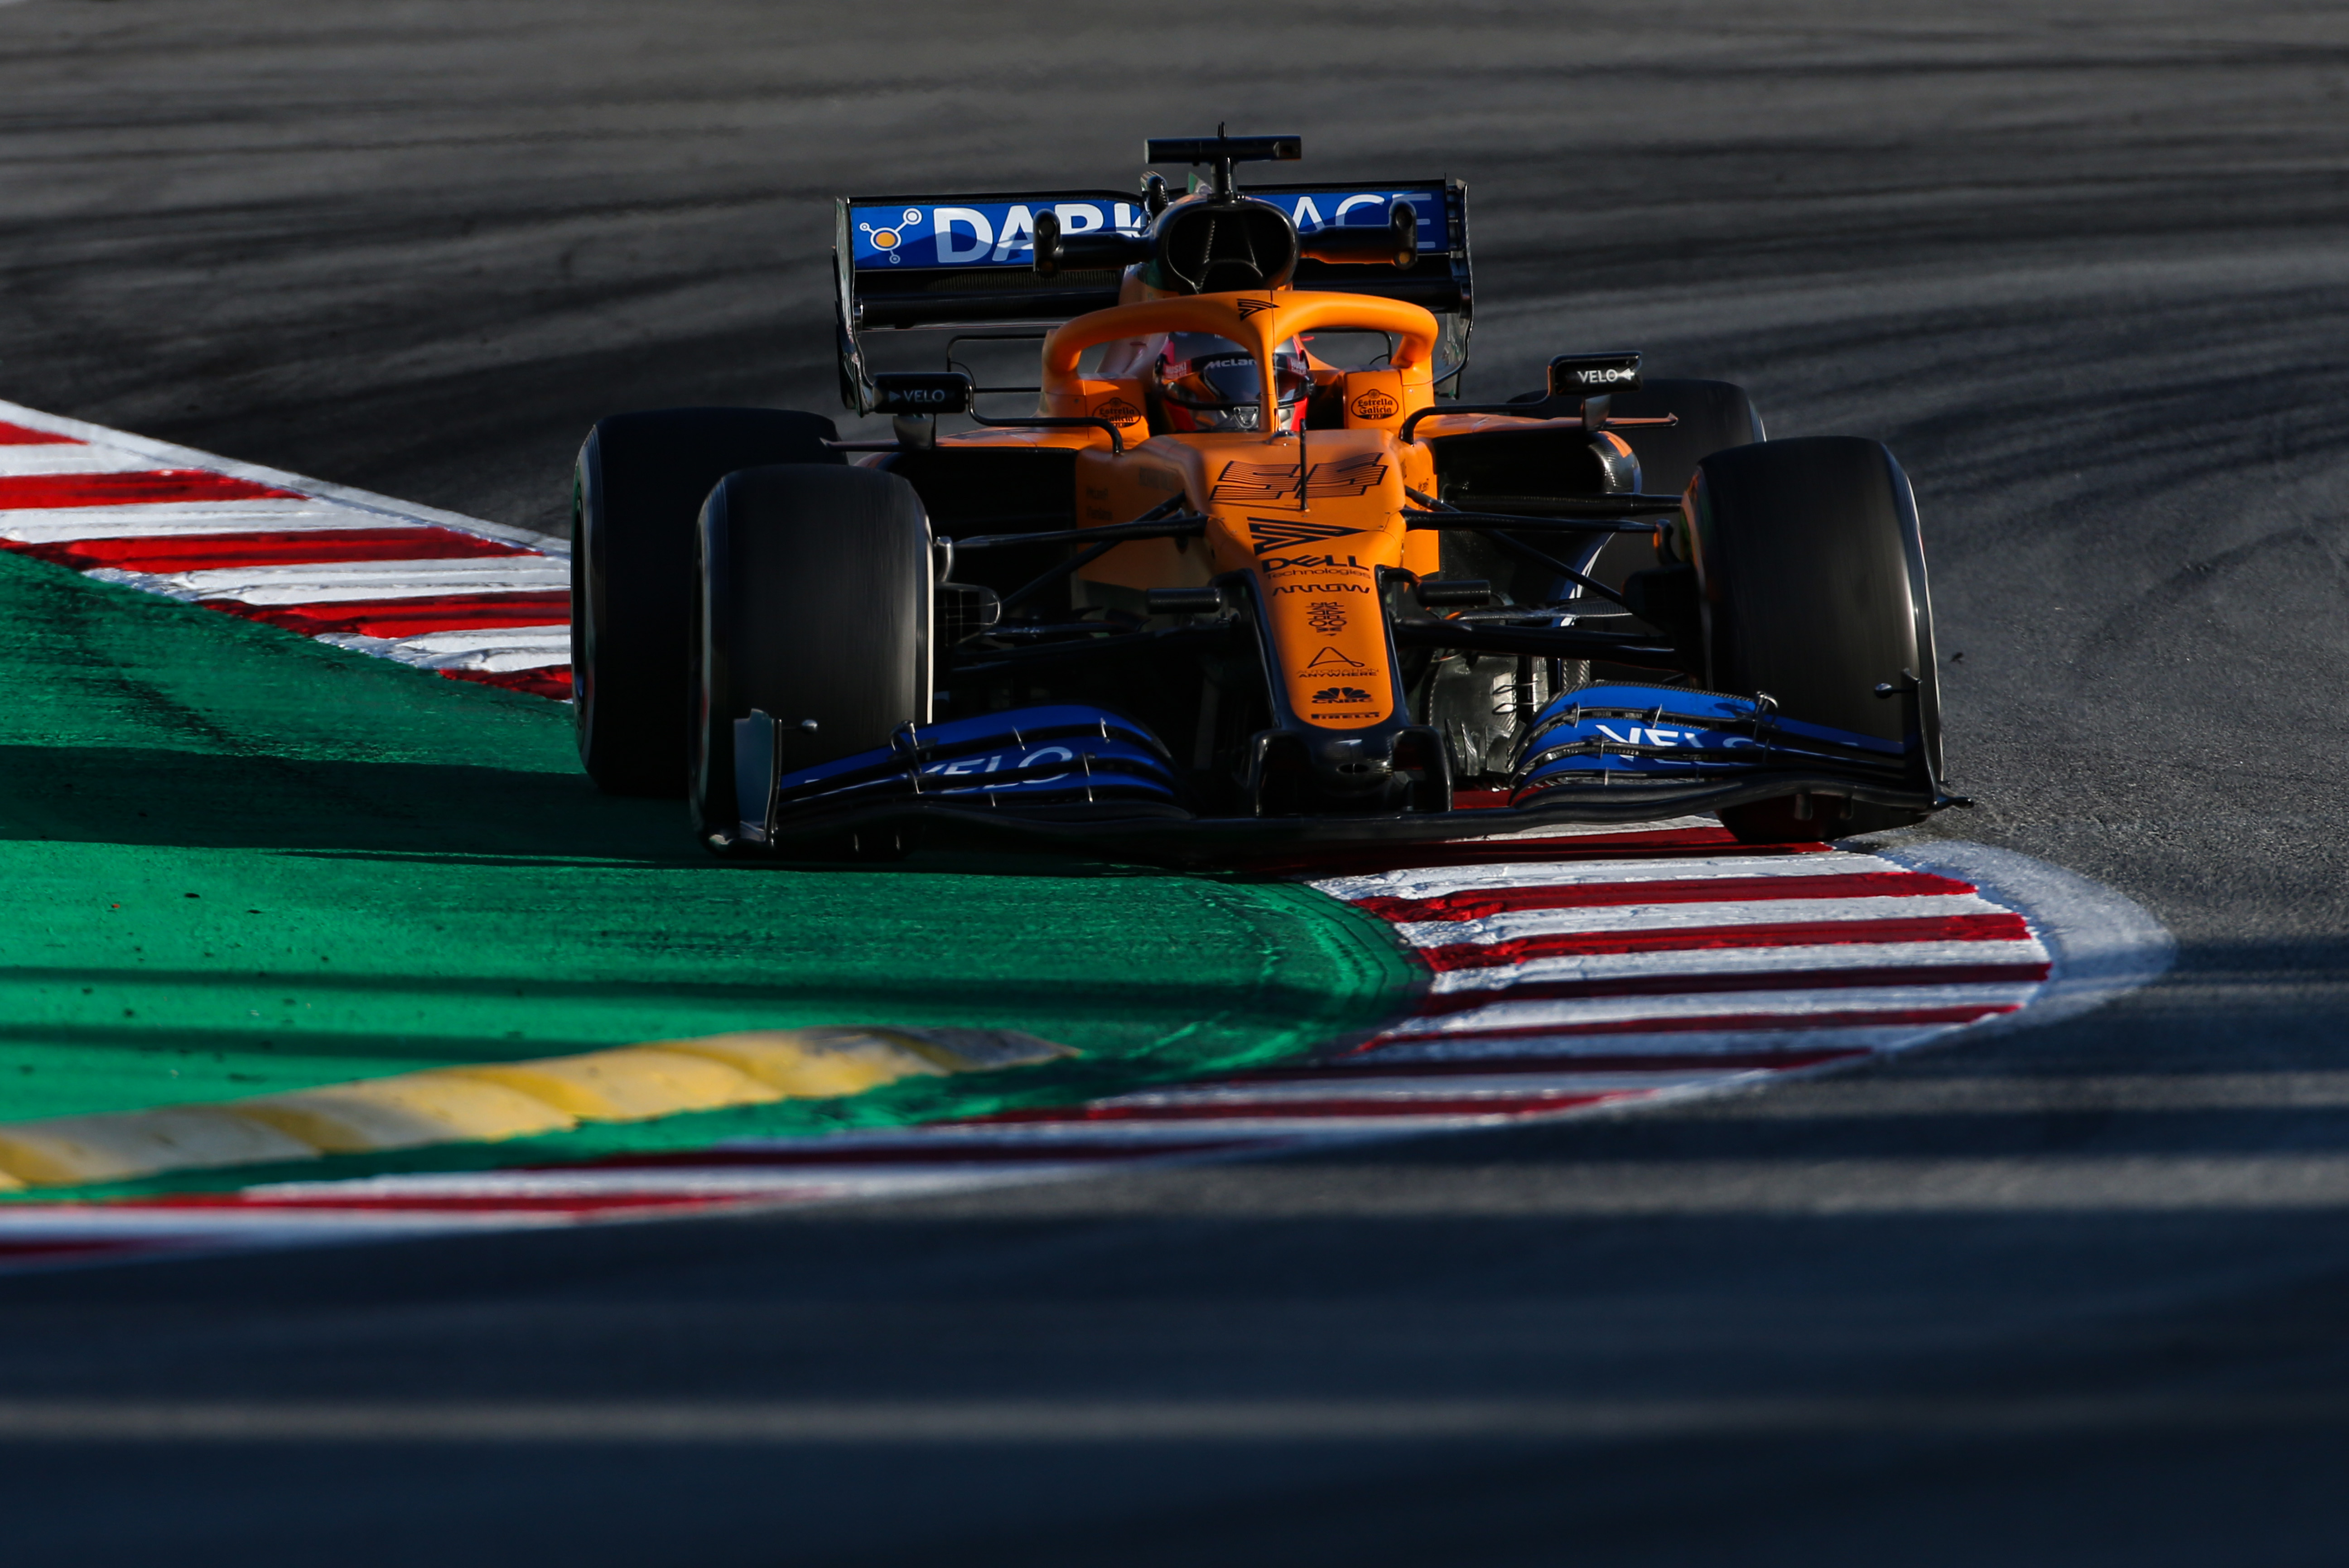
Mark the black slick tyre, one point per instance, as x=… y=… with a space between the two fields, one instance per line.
x=814 y=607
x=1812 y=575
x=638 y=485
x=1708 y=416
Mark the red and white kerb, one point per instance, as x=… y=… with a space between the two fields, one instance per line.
x=470 y=600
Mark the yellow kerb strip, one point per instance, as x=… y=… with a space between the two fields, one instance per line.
x=501 y=1100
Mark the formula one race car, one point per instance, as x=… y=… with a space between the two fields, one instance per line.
x=1245 y=582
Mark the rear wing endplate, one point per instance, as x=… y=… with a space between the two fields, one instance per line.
x=957 y=263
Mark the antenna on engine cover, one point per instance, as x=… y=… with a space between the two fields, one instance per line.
x=1221 y=153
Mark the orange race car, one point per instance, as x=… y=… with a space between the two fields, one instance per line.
x=1248 y=577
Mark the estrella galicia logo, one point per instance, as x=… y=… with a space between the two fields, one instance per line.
x=1375 y=405
x=1341 y=694
x=1117 y=410
x=1269 y=534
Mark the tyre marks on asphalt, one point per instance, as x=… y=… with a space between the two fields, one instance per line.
x=468 y=599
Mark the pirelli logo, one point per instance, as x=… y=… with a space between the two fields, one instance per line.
x=1273 y=480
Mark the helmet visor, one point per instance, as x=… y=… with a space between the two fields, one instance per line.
x=1211 y=374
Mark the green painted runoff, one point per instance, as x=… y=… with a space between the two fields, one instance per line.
x=237 y=861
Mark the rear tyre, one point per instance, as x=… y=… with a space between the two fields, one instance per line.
x=1812 y=576
x=640 y=484
x=814 y=604
x=1710 y=416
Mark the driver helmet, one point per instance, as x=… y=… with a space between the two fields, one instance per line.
x=1210 y=383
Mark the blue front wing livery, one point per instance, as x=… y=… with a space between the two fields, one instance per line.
x=1632 y=734
x=1048 y=759
x=1054 y=755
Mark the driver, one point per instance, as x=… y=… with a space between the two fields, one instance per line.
x=1210 y=383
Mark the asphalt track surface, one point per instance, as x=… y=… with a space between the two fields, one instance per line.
x=2071 y=1295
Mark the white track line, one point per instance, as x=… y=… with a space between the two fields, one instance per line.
x=1678 y=1045
x=1822 y=1004
x=1435 y=882
x=1518 y=924
x=514 y=648
x=64 y=525
x=78 y=458
x=342 y=581
x=1595 y=968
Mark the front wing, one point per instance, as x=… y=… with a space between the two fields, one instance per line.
x=1086 y=780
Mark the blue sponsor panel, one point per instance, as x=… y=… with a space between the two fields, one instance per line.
x=1059 y=752
x=1003 y=234
x=1628 y=732
x=1046 y=767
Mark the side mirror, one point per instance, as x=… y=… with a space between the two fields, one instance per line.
x=1443 y=592
x=1594 y=375
x=1395 y=245
x=1090 y=251
x=913 y=393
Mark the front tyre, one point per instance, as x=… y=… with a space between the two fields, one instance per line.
x=1812 y=573
x=640 y=484
x=1707 y=416
x=814 y=607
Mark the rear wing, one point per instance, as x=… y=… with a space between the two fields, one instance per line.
x=963 y=263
